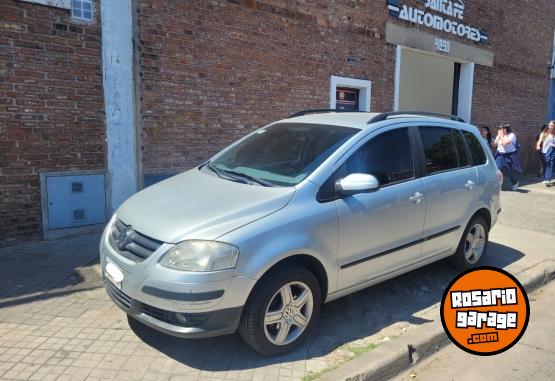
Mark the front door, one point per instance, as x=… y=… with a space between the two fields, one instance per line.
x=381 y=231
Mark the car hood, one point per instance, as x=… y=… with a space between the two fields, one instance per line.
x=197 y=205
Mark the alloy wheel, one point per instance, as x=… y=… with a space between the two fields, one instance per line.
x=475 y=243
x=288 y=313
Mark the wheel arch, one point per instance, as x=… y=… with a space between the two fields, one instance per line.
x=307 y=261
x=485 y=213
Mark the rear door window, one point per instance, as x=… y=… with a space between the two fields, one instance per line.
x=440 y=151
x=464 y=160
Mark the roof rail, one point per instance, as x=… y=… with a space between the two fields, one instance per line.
x=387 y=115
x=319 y=111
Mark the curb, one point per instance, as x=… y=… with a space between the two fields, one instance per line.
x=388 y=360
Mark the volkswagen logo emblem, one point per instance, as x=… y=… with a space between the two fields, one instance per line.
x=124 y=237
x=288 y=312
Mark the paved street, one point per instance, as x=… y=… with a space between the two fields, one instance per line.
x=56 y=321
x=531 y=358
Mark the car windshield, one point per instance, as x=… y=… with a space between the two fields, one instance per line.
x=280 y=155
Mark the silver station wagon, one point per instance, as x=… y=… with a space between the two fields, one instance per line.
x=296 y=214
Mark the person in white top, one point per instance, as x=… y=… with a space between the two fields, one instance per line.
x=546 y=144
x=506 y=140
x=507 y=156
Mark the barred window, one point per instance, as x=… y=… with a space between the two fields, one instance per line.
x=82 y=9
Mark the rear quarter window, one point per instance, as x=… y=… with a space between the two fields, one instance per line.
x=476 y=150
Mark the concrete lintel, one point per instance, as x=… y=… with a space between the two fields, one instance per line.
x=64 y=4
x=416 y=39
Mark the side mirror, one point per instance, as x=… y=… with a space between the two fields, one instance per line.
x=356 y=183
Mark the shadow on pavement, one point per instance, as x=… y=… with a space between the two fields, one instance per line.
x=501 y=256
x=68 y=290
x=353 y=317
x=41 y=270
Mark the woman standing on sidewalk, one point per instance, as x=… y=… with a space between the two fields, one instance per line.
x=546 y=144
x=538 y=147
x=507 y=156
x=488 y=138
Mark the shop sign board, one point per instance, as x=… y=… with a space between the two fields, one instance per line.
x=442 y=15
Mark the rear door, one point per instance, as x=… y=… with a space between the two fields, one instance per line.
x=451 y=183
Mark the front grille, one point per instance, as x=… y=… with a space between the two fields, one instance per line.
x=185 y=320
x=137 y=246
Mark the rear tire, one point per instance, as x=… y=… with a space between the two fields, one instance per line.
x=473 y=244
x=281 y=310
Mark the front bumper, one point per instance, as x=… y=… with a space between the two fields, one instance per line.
x=184 y=304
x=186 y=325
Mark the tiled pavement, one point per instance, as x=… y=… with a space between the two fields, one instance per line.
x=29 y=269
x=57 y=323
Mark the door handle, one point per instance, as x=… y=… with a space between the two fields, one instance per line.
x=470 y=185
x=416 y=197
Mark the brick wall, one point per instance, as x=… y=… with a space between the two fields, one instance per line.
x=211 y=71
x=51 y=107
x=515 y=90
x=214 y=70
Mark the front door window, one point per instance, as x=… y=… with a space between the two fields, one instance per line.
x=387 y=156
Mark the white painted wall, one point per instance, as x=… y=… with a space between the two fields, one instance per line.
x=466 y=88
x=466 y=83
x=397 y=80
x=117 y=66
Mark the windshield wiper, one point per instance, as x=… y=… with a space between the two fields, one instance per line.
x=248 y=177
x=221 y=174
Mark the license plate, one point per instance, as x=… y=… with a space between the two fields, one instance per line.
x=113 y=273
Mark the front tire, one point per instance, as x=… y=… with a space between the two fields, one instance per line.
x=281 y=310
x=473 y=244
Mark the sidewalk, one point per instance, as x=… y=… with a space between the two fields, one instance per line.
x=531 y=358
x=28 y=270
x=56 y=321
x=521 y=242
x=523 y=253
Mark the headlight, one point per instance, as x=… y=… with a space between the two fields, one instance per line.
x=201 y=256
x=106 y=231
